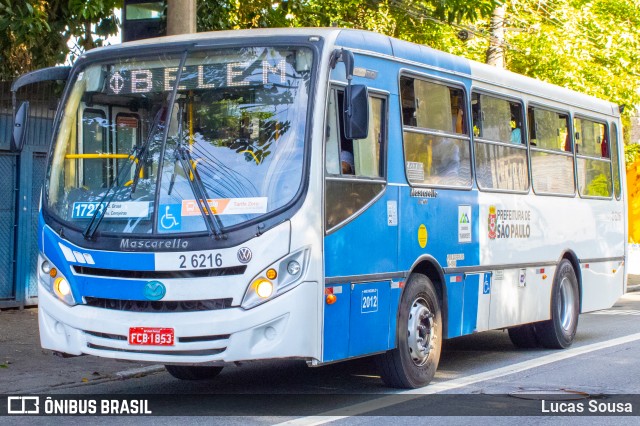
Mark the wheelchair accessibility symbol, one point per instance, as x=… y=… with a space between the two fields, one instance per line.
x=170 y=216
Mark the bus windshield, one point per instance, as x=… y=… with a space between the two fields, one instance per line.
x=137 y=151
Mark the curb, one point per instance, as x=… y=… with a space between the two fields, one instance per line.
x=141 y=372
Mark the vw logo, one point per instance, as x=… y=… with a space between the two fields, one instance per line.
x=154 y=290
x=244 y=255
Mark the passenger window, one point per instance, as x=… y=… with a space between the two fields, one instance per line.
x=591 y=139
x=552 y=168
x=354 y=167
x=593 y=164
x=549 y=130
x=436 y=138
x=501 y=154
x=615 y=162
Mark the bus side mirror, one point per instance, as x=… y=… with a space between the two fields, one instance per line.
x=20 y=127
x=356 y=112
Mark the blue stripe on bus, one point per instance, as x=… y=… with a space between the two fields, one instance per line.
x=112 y=288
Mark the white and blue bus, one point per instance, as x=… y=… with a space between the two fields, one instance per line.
x=320 y=194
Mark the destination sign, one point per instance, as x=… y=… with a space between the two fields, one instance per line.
x=232 y=74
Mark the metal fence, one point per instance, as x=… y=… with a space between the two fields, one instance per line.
x=21 y=178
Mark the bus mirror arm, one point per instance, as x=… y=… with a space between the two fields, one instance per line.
x=345 y=56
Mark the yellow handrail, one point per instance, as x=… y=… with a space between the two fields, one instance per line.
x=107 y=156
x=99 y=156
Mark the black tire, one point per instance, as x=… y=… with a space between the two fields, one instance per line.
x=190 y=372
x=413 y=365
x=559 y=331
x=524 y=336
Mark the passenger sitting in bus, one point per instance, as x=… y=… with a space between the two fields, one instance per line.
x=346 y=160
x=516 y=135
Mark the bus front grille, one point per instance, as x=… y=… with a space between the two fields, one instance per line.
x=168 y=306
x=186 y=339
x=187 y=352
x=194 y=273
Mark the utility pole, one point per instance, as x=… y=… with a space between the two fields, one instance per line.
x=181 y=17
x=495 y=53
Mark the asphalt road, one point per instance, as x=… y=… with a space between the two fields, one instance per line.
x=602 y=360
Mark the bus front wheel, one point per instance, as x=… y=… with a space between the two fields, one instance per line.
x=559 y=331
x=190 y=372
x=414 y=361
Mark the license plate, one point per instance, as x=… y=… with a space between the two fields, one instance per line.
x=154 y=336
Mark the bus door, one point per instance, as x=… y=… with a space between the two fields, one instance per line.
x=93 y=172
x=361 y=235
x=127 y=134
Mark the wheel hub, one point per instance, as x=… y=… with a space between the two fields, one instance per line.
x=420 y=332
x=566 y=305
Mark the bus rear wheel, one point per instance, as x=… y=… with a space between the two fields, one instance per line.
x=190 y=372
x=560 y=330
x=419 y=334
x=523 y=336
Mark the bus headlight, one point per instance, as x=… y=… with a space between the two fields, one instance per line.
x=54 y=282
x=263 y=288
x=61 y=287
x=276 y=279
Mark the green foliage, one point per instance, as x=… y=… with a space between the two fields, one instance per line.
x=382 y=16
x=592 y=46
x=599 y=186
x=631 y=153
x=36 y=32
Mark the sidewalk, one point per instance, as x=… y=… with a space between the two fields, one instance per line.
x=27 y=368
x=633 y=283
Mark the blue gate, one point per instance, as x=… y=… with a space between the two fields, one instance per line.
x=21 y=178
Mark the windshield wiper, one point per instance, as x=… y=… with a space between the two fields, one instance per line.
x=183 y=156
x=159 y=118
x=139 y=154
x=101 y=210
x=97 y=217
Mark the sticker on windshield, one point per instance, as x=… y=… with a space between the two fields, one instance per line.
x=220 y=206
x=115 y=209
x=169 y=219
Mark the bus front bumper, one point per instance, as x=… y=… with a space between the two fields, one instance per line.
x=285 y=327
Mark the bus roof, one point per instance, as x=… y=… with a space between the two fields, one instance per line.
x=374 y=43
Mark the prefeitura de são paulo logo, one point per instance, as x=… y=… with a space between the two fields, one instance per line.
x=492 y=222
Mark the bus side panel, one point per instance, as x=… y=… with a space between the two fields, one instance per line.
x=362 y=320
x=369 y=319
x=470 y=309
x=336 y=320
x=435 y=226
x=394 y=303
x=520 y=296
x=601 y=284
x=462 y=304
x=358 y=251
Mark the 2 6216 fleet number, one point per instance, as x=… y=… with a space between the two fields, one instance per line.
x=198 y=261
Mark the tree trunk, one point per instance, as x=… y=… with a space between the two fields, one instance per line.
x=495 y=53
x=634 y=132
x=181 y=17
